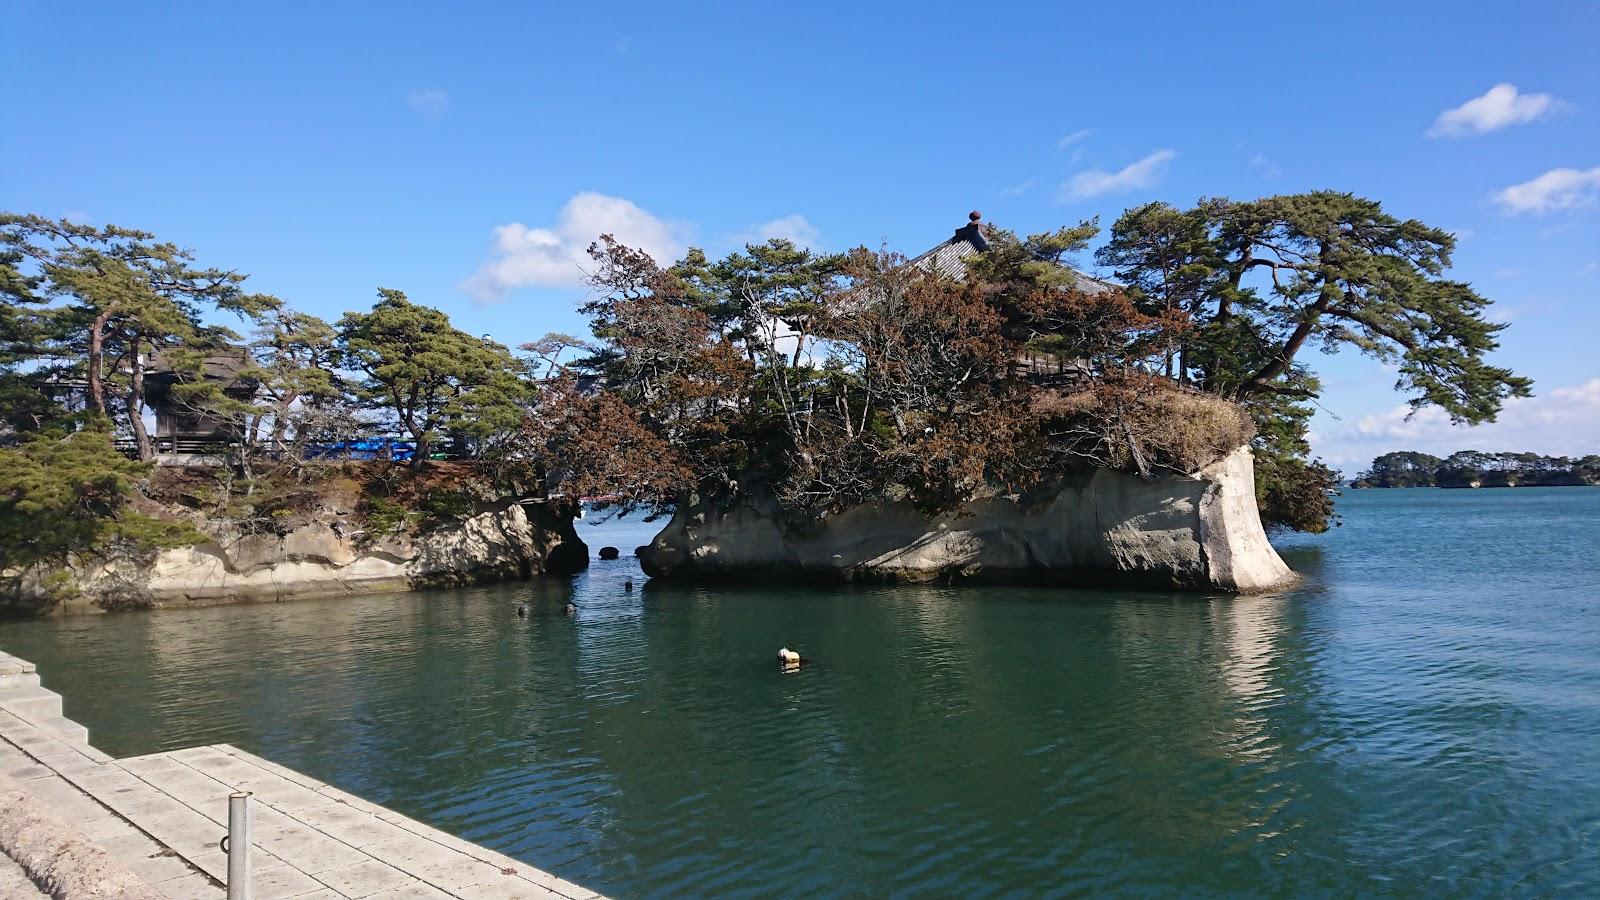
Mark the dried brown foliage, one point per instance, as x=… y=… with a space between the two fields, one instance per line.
x=922 y=403
x=1142 y=423
x=596 y=445
x=922 y=396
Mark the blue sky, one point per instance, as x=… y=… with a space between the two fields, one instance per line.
x=464 y=152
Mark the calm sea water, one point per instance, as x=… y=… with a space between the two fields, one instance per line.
x=1421 y=717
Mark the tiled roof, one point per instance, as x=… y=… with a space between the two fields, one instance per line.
x=949 y=259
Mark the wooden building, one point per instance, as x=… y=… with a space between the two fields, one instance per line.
x=182 y=427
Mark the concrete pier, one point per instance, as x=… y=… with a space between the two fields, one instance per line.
x=163 y=816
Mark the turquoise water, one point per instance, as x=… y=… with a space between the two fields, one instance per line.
x=1422 y=717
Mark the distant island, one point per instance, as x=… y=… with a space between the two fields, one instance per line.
x=1474 y=469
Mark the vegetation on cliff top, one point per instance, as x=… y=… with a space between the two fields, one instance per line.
x=66 y=495
x=841 y=378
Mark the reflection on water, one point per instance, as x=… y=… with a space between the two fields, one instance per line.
x=1252 y=629
x=1366 y=733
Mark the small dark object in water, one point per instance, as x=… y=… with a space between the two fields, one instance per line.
x=522 y=610
x=572 y=609
x=628 y=585
x=609 y=553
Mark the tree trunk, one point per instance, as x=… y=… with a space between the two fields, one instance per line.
x=136 y=404
x=1285 y=356
x=97 y=352
x=1224 y=304
x=419 y=457
x=280 y=423
x=420 y=439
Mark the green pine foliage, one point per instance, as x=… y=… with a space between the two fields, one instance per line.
x=66 y=496
x=1262 y=280
x=435 y=379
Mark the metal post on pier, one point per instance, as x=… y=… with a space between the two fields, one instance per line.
x=240 y=816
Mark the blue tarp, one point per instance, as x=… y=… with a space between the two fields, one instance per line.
x=371 y=448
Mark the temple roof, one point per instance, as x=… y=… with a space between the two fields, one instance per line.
x=949 y=258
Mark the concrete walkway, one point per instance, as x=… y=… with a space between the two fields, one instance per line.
x=164 y=814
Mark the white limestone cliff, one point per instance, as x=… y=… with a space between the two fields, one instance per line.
x=320 y=559
x=1197 y=531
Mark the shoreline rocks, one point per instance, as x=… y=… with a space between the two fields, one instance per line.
x=1098 y=526
x=502 y=542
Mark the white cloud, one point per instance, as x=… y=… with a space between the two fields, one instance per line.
x=1502 y=313
x=1588 y=269
x=1018 y=189
x=1554 y=190
x=428 y=101
x=558 y=256
x=1502 y=107
x=1096 y=182
x=794 y=228
x=1553 y=231
x=1563 y=422
x=1073 y=138
x=1266 y=166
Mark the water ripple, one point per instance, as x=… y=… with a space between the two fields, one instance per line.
x=1366 y=734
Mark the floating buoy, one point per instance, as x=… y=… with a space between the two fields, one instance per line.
x=628 y=585
x=572 y=609
x=789 y=659
x=522 y=610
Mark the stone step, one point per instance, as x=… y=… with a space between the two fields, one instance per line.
x=63 y=728
x=9 y=680
x=31 y=702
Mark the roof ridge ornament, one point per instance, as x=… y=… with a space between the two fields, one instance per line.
x=972 y=232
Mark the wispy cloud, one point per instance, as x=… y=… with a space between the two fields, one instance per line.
x=1556 y=189
x=1502 y=313
x=1020 y=188
x=429 y=101
x=1502 y=107
x=1565 y=421
x=1588 y=270
x=794 y=228
x=1074 y=138
x=557 y=256
x=1098 y=182
x=1265 y=166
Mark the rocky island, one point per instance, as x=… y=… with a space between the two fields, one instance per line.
x=340 y=537
x=1097 y=526
x=983 y=410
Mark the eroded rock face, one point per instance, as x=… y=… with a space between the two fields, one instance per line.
x=324 y=558
x=1199 y=531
